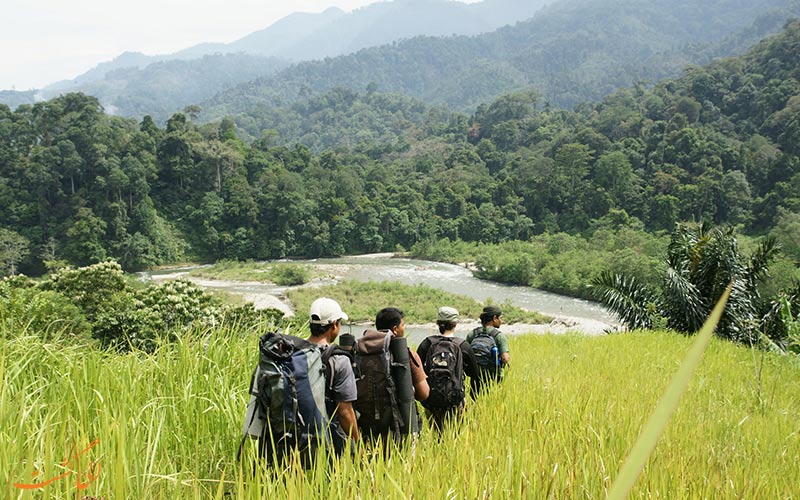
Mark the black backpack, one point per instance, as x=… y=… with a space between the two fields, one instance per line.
x=484 y=345
x=385 y=404
x=444 y=365
x=287 y=411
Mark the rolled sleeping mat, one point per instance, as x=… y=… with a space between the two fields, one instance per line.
x=347 y=341
x=401 y=374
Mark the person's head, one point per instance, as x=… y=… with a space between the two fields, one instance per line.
x=326 y=317
x=447 y=319
x=491 y=316
x=391 y=318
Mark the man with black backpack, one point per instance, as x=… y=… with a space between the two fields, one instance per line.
x=446 y=359
x=390 y=378
x=490 y=347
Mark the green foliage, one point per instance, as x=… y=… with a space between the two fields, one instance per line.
x=29 y=311
x=559 y=263
x=13 y=249
x=792 y=325
x=289 y=274
x=714 y=145
x=100 y=301
x=701 y=262
x=284 y=274
x=90 y=287
x=657 y=423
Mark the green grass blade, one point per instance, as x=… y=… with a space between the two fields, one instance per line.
x=646 y=443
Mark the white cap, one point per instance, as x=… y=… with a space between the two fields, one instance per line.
x=325 y=311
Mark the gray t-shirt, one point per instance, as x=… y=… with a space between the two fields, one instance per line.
x=343 y=390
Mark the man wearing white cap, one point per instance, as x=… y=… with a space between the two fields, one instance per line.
x=326 y=317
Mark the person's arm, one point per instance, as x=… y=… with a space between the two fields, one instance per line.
x=421 y=388
x=470 y=363
x=347 y=419
x=502 y=347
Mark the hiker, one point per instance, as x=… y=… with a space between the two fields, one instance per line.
x=340 y=388
x=390 y=378
x=301 y=392
x=490 y=347
x=390 y=320
x=446 y=359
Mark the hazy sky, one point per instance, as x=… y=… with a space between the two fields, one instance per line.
x=43 y=41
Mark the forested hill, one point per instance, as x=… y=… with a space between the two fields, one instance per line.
x=572 y=51
x=719 y=144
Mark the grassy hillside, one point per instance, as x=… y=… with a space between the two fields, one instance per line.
x=560 y=426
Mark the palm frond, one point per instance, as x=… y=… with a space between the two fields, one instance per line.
x=764 y=254
x=685 y=308
x=634 y=303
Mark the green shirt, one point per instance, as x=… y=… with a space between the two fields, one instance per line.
x=500 y=339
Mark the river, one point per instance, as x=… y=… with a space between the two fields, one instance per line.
x=447 y=277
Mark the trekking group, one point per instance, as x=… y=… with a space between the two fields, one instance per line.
x=307 y=393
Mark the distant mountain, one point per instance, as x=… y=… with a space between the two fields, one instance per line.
x=279 y=38
x=14 y=98
x=572 y=51
x=297 y=37
x=162 y=88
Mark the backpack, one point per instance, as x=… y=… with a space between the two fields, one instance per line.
x=338 y=441
x=380 y=405
x=287 y=411
x=444 y=366
x=484 y=345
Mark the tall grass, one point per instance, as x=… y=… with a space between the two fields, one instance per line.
x=559 y=426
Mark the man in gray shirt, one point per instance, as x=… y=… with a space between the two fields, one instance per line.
x=326 y=322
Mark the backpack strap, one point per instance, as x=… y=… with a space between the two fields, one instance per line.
x=253 y=417
x=331 y=351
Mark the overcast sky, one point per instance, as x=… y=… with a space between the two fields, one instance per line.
x=43 y=41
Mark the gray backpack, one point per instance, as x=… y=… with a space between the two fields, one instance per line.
x=484 y=345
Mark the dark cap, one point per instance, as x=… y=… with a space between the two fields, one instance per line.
x=492 y=311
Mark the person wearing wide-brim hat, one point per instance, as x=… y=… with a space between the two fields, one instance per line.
x=490 y=347
x=447 y=360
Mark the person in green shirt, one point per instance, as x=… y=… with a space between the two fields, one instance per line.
x=490 y=347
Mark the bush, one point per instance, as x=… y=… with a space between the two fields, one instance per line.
x=88 y=287
x=44 y=312
x=289 y=274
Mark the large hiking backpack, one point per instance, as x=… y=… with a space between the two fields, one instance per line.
x=484 y=345
x=444 y=366
x=385 y=402
x=286 y=411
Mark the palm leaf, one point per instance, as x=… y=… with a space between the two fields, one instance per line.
x=683 y=303
x=634 y=303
